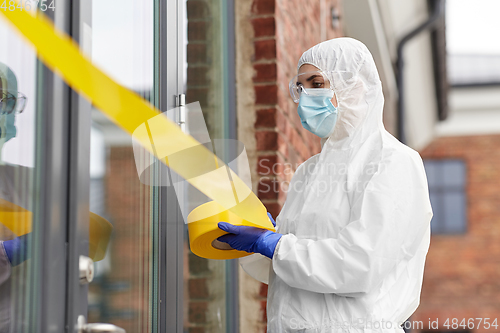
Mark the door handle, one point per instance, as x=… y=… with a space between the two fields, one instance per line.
x=83 y=327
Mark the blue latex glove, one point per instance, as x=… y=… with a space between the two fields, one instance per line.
x=271 y=219
x=250 y=239
x=17 y=249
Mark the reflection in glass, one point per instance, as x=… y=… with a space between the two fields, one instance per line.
x=206 y=81
x=17 y=146
x=122 y=46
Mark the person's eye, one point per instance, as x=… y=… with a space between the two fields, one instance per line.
x=317 y=84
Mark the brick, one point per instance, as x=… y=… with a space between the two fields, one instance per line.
x=265 y=49
x=299 y=145
x=197 y=330
x=266 y=94
x=197 y=95
x=197 y=76
x=263 y=7
x=263 y=308
x=264 y=72
x=282 y=145
x=274 y=208
x=263 y=290
x=264 y=27
x=196 y=53
x=267 y=188
x=266 y=140
x=281 y=122
x=266 y=118
x=198 y=312
x=284 y=169
x=198 y=288
x=197 y=9
x=197 y=31
x=197 y=265
x=266 y=165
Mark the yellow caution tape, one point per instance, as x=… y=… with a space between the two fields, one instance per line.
x=203 y=231
x=161 y=137
x=18 y=220
x=14 y=217
x=99 y=235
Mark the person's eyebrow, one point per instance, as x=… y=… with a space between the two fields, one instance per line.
x=309 y=79
x=312 y=77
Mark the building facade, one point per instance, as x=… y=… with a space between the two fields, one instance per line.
x=235 y=58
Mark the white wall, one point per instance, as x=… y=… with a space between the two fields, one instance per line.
x=473 y=111
x=397 y=18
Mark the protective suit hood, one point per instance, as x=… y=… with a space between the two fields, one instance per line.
x=357 y=87
x=8 y=82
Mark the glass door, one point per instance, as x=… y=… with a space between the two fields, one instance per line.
x=121 y=236
x=18 y=167
x=34 y=115
x=84 y=240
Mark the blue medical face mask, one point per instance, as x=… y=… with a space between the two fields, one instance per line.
x=7 y=127
x=316 y=111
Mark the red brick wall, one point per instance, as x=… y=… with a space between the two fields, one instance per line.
x=462 y=273
x=203 y=278
x=283 y=30
x=122 y=292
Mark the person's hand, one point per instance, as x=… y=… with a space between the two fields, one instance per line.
x=17 y=249
x=250 y=239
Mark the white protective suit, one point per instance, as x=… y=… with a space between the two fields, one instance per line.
x=355 y=223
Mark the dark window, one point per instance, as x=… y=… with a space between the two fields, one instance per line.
x=447 y=193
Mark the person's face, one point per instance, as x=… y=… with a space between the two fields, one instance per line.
x=8 y=128
x=314 y=80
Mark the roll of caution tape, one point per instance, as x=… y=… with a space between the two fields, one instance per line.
x=203 y=231
x=14 y=217
x=160 y=137
x=99 y=234
x=18 y=220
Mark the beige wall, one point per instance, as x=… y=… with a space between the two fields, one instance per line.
x=473 y=111
x=381 y=24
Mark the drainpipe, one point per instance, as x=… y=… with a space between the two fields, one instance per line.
x=430 y=23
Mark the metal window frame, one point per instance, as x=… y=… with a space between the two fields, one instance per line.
x=169 y=83
x=50 y=253
x=170 y=232
x=232 y=266
x=79 y=123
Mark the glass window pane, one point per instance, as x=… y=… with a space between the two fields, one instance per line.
x=432 y=171
x=453 y=173
x=122 y=290
x=447 y=179
x=454 y=217
x=207 y=80
x=17 y=170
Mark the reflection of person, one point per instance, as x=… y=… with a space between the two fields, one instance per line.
x=354 y=230
x=14 y=251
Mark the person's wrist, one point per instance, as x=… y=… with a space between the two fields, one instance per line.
x=17 y=249
x=266 y=244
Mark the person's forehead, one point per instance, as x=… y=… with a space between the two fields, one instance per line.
x=307 y=68
x=309 y=76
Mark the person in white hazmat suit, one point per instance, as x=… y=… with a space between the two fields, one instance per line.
x=353 y=234
x=15 y=188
